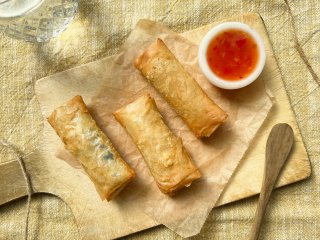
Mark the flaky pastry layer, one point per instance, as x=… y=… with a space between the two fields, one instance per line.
x=167 y=159
x=92 y=148
x=161 y=68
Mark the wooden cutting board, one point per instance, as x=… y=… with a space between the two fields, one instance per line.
x=245 y=182
x=247 y=179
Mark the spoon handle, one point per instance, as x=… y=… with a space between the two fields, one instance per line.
x=278 y=147
x=262 y=205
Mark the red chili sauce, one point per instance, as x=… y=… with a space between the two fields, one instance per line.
x=232 y=55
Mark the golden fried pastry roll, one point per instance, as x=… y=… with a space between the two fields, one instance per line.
x=175 y=84
x=167 y=159
x=92 y=148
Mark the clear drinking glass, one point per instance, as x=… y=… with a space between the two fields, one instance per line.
x=36 y=20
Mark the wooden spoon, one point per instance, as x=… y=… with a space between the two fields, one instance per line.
x=279 y=144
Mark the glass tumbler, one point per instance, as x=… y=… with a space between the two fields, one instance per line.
x=36 y=20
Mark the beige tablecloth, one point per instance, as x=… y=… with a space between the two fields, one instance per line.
x=98 y=31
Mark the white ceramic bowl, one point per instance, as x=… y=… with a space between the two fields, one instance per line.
x=212 y=77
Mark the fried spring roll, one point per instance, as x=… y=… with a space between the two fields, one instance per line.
x=160 y=67
x=92 y=148
x=167 y=159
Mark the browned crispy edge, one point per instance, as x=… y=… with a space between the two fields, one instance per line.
x=184 y=182
x=143 y=60
x=78 y=103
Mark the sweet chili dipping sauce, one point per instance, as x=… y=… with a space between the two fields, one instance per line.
x=232 y=55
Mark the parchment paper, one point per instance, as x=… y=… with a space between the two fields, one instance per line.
x=216 y=157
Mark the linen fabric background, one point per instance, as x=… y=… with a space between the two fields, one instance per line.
x=98 y=30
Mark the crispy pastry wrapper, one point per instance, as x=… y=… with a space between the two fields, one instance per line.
x=178 y=87
x=91 y=147
x=164 y=153
x=118 y=83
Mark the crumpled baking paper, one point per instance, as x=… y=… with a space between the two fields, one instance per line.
x=216 y=156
